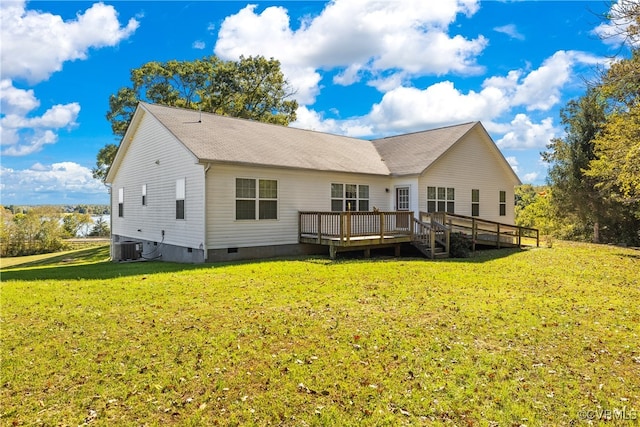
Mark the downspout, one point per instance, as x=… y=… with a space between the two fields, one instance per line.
x=204 y=198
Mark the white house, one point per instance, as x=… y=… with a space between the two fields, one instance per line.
x=196 y=187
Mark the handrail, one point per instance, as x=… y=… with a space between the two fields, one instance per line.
x=475 y=227
x=346 y=225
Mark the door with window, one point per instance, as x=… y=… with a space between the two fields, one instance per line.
x=402 y=204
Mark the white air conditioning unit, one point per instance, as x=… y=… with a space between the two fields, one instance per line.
x=128 y=250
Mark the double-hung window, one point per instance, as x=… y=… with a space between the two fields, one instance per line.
x=475 y=202
x=144 y=194
x=349 y=197
x=256 y=198
x=503 y=203
x=441 y=199
x=120 y=202
x=180 y=197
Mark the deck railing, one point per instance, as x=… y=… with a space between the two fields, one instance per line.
x=482 y=231
x=348 y=225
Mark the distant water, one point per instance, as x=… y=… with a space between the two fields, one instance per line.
x=87 y=229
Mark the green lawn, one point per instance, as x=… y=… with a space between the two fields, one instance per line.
x=506 y=338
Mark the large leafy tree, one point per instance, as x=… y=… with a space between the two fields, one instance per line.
x=569 y=156
x=252 y=88
x=595 y=168
x=617 y=147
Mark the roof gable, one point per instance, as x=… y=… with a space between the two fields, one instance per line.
x=412 y=153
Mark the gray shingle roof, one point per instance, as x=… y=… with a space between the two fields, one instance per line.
x=226 y=139
x=412 y=153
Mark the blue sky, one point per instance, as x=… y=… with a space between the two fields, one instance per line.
x=364 y=68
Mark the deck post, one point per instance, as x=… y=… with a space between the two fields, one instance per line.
x=432 y=242
x=319 y=227
x=342 y=219
x=333 y=251
x=348 y=226
x=474 y=232
x=520 y=237
x=381 y=217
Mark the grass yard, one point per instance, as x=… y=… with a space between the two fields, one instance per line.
x=537 y=337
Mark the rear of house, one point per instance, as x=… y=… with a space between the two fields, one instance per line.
x=194 y=187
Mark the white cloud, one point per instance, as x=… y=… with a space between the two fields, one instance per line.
x=513 y=162
x=67 y=180
x=524 y=133
x=530 y=178
x=36 y=44
x=20 y=134
x=359 y=38
x=406 y=109
x=510 y=30
x=199 y=44
x=615 y=32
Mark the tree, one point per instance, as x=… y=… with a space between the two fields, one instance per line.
x=617 y=147
x=100 y=229
x=104 y=159
x=574 y=192
x=252 y=88
x=72 y=223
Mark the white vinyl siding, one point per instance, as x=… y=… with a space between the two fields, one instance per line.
x=297 y=190
x=156 y=159
x=472 y=163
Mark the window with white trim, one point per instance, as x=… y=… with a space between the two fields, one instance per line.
x=475 y=202
x=120 y=202
x=180 y=197
x=256 y=198
x=441 y=199
x=503 y=203
x=349 y=197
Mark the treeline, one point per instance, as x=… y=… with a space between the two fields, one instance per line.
x=593 y=190
x=43 y=229
x=82 y=208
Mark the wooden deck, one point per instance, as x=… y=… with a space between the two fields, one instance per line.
x=345 y=231
x=430 y=233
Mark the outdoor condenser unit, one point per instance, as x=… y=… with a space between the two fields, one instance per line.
x=128 y=250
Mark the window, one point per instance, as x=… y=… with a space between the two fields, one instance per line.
x=441 y=199
x=475 y=202
x=264 y=200
x=120 y=202
x=180 y=196
x=503 y=203
x=268 y=203
x=349 y=197
x=144 y=194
